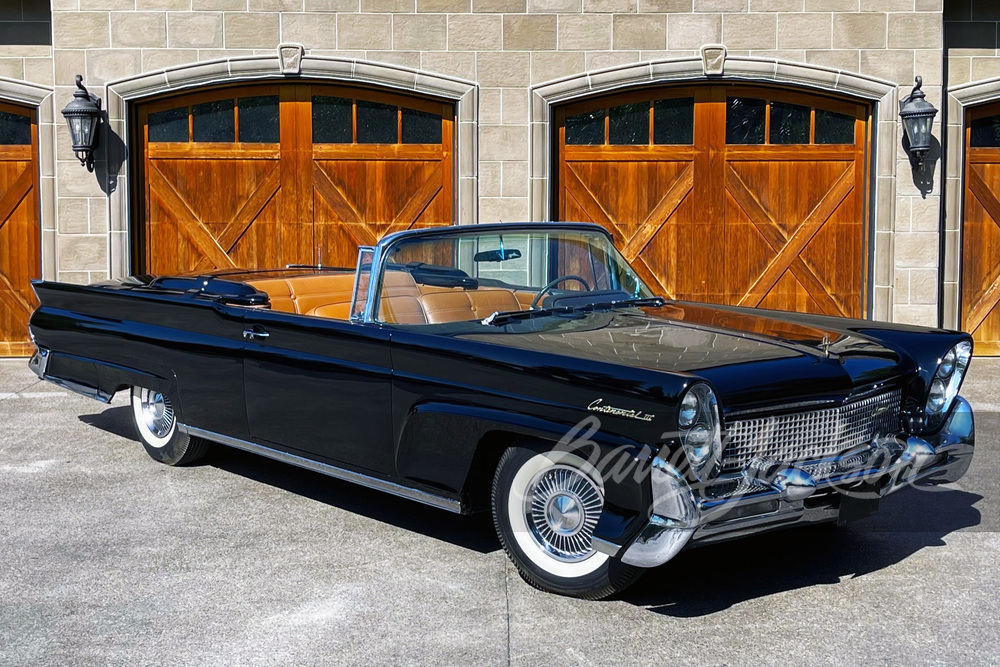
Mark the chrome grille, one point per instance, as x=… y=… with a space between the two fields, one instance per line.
x=804 y=436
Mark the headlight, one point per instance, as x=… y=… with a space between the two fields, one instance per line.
x=689 y=410
x=700 y=430
x=946 y=382
x=947 y=364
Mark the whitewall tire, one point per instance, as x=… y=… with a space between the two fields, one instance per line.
x=546 y=505
x=155 y=419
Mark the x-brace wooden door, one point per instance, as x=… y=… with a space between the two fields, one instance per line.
x=267 y=175
x=726 y=194
x=981 y=229
x=20 y=259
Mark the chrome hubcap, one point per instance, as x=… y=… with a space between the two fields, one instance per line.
x=157 y=413
x=562 y=507
x=564 y=513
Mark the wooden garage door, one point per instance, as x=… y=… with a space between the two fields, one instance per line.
x=264 y=176
x=19 y=228
x=981 y=229
x=725 y=194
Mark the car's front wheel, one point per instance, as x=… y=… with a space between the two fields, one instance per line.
x=156 y=423
x=545 y=508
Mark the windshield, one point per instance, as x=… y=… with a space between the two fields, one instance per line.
x=469 y=275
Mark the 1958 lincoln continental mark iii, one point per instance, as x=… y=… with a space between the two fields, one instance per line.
x=527 y=370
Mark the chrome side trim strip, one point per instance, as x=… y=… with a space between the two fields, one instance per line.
x=329 y=470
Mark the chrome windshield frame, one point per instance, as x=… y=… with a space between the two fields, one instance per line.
x=386 y=244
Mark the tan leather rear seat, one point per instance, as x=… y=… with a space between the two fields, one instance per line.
x=314 y=291
x=305 y=294
x=403 y=309
x=278 y=291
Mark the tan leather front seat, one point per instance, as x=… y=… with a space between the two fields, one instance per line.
x=461 y=305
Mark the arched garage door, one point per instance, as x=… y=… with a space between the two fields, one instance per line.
x=269 y=175
x=981 y=229
x=726 y=194
x=19 y=229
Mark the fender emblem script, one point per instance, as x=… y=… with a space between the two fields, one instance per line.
x=598 y=406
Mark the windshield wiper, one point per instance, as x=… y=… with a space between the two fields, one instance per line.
x=500 y=318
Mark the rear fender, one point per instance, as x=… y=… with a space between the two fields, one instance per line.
x=100 y=379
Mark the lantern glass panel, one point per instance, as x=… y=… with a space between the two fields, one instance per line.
x=918 y=130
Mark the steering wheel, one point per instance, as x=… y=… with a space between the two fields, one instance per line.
x=552 y=283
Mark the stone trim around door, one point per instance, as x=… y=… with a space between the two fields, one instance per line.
x=123 y=92
x=959 y=99
x=39 y=97
x=882 y=94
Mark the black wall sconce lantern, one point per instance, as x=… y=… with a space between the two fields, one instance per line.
x=83 y=114
x=917 y=115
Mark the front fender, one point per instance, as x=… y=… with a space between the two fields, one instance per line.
x=455 y=447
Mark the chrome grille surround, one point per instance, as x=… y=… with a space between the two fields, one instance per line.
x=812 y=434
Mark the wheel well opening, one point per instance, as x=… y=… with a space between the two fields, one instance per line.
x=489 y=449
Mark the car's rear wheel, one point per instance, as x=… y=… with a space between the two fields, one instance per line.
x=156 y=423
x=545 y=508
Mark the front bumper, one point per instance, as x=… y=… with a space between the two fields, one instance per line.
x=767 y=496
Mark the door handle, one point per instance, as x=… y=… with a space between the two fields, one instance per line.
x=255 y=333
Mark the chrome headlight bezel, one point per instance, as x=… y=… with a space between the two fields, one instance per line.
x=700 y=433
x=945 y=383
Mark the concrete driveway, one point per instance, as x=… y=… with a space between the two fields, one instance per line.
x=107 y=557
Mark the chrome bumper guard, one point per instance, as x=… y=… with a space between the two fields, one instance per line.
x=771 y=495
x=39 y=362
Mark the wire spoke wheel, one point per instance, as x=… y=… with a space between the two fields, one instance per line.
x=562 y=507
x=157 y=413
x=546 y=507
x=156 y=422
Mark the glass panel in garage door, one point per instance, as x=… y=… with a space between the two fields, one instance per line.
x=789 y=123
x=834 y=128
x=629 y=124
x=332 y=120
x=258 y=119
x=673 y=121
x=585 y=128
x=15 y=129
x=421 y=127
x=169 y=125
x=214 y=121
x=746 y=119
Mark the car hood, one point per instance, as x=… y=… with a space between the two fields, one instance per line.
x=752 y=358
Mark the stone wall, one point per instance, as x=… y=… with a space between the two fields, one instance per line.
x=507 y=46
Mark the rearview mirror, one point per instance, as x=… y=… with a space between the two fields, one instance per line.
x=496 y=255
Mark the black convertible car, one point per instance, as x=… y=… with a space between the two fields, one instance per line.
x=525 y=369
